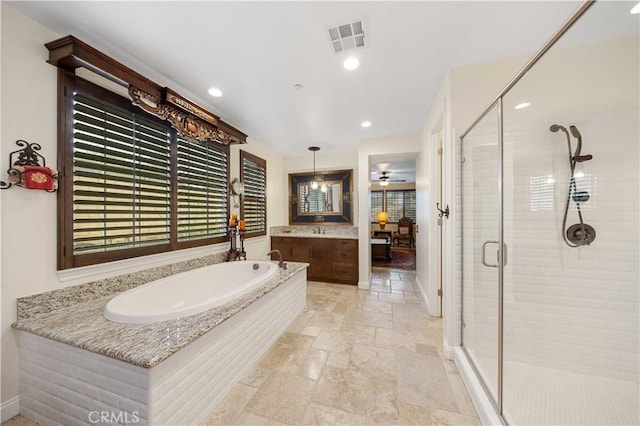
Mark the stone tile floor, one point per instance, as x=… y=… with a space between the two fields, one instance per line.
x=353 y=357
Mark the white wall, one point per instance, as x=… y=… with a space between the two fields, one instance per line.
x=28 y=218
x=473 y=87
x=427 y=181
x=29 y=94
x=464 y=94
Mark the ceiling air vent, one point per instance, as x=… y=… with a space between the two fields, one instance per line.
x=347 y=36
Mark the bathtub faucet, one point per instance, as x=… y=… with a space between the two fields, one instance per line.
x=281 y=264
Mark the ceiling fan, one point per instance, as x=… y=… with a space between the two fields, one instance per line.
x=384 y=179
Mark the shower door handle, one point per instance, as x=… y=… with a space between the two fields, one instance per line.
x=484 y=252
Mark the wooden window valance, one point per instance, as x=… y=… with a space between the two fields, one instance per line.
x=187 y=117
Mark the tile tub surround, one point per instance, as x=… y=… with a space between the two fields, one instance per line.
x=78 y=319
x=306 y=231
x=61 y=384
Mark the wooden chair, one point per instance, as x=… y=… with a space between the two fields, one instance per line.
x=404 y=234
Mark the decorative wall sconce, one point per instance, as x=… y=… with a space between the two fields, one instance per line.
x=28 y=169
x=237 y=189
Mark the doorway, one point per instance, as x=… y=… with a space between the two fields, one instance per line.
x=393 y=211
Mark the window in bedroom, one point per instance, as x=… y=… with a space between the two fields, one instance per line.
x=400 y=203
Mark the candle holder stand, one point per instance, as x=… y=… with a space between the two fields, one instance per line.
x=234 y=252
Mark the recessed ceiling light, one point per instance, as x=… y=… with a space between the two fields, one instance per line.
x=366 y=124
x=214 y=91
x=522 y=105
x=636 y=9
x=351 y=63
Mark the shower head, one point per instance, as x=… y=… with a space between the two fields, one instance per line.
x=555 y=127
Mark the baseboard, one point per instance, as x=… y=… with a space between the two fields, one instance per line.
x=364 y=285
x=10 y=408
x=485 y=409
x=448 y=350
x=423 y=293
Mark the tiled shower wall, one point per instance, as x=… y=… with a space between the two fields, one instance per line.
x=574 y=309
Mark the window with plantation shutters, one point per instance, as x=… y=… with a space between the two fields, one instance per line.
x=375 y=200
x=399 y=204
x=202 y=190
x=253 y=208
x=131 y=185
x=121 y=177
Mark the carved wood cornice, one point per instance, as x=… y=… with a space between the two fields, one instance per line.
x=187 y=117
x=185 y=122
x=173 y=98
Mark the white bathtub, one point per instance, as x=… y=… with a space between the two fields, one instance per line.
x=189 y=293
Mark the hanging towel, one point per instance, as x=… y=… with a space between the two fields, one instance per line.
x=37 y=177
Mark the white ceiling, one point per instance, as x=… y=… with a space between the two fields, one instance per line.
x=256 y=51
x=399 y=167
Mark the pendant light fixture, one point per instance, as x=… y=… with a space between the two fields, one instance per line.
x=314 y=182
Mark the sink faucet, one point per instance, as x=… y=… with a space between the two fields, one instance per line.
x=281 y=264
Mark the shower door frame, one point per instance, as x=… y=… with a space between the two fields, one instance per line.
x=497 y=103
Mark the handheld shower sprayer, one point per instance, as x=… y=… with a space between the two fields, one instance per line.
x=576 y=134
x=579 y=234
x=577 y=157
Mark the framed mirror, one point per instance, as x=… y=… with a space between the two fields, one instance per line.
x=330 y=202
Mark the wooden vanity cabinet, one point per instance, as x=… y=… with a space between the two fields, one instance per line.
x=344 y=261
x=329 y=259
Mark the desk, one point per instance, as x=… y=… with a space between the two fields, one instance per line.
x=381 y=249
x=382 y=234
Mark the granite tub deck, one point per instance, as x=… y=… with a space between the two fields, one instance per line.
x=73 y=316
x=74 y=363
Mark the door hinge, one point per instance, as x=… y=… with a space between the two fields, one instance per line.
x=439 y=151
x=439 y=221
x=439 y=292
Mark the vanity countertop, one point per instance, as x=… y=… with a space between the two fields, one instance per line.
x=312 y=235
x=74 y=316
x=309 y=231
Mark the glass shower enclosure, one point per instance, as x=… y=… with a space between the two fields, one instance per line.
x=550 y=230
